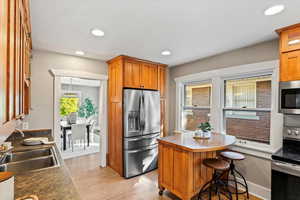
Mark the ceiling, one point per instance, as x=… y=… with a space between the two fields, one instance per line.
x=191 y=29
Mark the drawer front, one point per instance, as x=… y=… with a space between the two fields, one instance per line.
x=140 y=142
x=140 y=161
x=290 y=40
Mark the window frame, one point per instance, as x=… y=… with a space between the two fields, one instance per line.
x=269 y=110
x=217 y=78
x=183 y=100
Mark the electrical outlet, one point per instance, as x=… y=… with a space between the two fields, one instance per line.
x=25 y=125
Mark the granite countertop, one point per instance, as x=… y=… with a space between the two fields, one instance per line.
x=47 y=184
x=186 y=142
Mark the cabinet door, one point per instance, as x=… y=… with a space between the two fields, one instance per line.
x=166 y=166
x=162 y=81
x=4 y=68
x=149 y=76
x=290 y=66
x=132 y=74
x=290 y=40
x=115 y=81
x=17 y=61
x=12 y=58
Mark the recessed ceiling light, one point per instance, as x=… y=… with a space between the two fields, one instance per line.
x=273 y=10
x=81 y=53
x=97 y=32
x=166 y=53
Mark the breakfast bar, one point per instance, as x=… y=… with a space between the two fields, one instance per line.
x=180 y=159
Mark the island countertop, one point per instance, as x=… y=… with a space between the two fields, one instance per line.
x=186 y=142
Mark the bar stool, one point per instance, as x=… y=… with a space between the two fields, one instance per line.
x=220 y=168
x=234 y=156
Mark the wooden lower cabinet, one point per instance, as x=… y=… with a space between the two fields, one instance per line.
x=115 y=139
x=182 y=172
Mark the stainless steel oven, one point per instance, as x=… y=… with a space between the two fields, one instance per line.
x=289 y=97
x=286 y=162
x=285 y=181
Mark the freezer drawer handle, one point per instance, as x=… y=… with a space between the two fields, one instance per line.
x=140 y=150
x=143 y=137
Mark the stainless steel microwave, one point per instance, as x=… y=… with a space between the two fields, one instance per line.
x=289 y=97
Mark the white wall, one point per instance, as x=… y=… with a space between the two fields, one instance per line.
x=41 y=115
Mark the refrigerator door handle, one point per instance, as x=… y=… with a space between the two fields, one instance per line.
x=142 y=113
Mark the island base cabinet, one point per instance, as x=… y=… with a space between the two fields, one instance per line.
x=182 y=172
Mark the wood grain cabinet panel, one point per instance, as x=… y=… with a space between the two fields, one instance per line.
x=132 y=74
x=162 y=81
x=289 y=52
x=167 y=159
x=290 y=66
x=290 y=40
x=148 y=77
x=15 y=49
x=4 y=68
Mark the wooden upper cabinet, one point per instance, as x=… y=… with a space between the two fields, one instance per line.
x=149 y=76
x=132 y=74
x=290 y=66
x=162 y=81
x=139 y=74
x=290 y=40
x=289 y=53
x=115 y=73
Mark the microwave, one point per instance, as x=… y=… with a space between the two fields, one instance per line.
x=289 y=97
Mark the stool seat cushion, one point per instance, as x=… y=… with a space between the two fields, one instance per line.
x=232 y=155
x=216 y=164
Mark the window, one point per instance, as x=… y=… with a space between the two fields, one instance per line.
x=196 y=105
x=247 y=110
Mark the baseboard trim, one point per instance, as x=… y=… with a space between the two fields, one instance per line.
x=257 y=190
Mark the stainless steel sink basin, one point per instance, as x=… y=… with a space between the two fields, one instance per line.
x=32 y=160
x=25 y=155
x=32 y=164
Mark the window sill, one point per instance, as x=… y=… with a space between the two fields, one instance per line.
x=260 y=152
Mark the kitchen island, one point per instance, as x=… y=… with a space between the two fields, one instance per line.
x=180 y=159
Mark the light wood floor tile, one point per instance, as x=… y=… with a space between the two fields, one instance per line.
x=96 y=183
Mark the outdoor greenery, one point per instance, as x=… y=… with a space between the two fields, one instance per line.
x=205 y=126
x=68 y=105
x=87 y=109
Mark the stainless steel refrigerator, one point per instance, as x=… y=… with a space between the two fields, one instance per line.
x=141 y=130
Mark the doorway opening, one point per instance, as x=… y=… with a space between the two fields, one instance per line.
x=80 y=113
x=79 y=116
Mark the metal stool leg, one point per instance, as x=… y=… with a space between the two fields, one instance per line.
x=246 y=185
x=236 y=186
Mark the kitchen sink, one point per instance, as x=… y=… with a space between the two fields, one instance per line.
x=32 y=160
x=25 y=155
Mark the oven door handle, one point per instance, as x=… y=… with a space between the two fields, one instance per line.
x=287 y=166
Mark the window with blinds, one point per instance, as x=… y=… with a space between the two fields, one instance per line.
x=247 y=108
x=196 y=107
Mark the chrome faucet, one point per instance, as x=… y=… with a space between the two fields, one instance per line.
x=20 y=131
